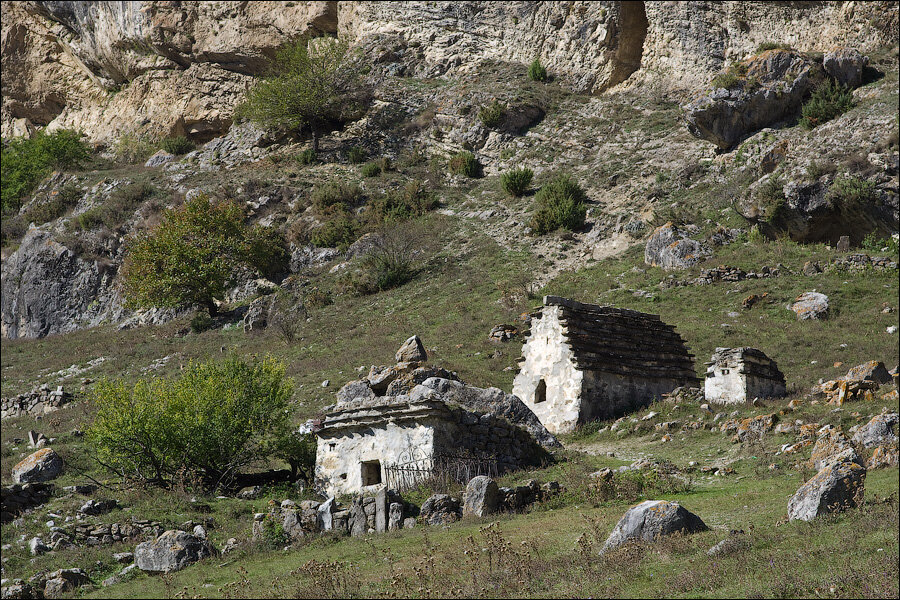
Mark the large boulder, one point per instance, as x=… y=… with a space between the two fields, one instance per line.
x=874 y=370
x=880 y=431
x=652 y=519
x=833 y=447
x=771 y=89
x=670 y=247
x=43 y=465
x=440 y=509
x=482 y=497
x=64 y=581
x=835 y=488
x=172 y=551
x=846 y=66
x=810 y=306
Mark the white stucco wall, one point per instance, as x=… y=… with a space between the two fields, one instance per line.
x=549 y=357
x=339 y=458
x=725 y=388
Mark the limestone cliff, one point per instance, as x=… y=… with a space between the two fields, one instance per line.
x=172 y=68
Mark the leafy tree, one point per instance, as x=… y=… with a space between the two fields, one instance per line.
x=312 y=84
x=213 y=420
x=193 y=254
x=25 y=162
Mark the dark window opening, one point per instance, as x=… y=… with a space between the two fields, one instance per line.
x=540 y=393
x=371 y=472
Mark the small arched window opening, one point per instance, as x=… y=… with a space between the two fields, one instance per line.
x=540 y=393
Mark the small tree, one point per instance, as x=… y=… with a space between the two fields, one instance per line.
x=193 y=253
x=312 y=83
x=560 y=205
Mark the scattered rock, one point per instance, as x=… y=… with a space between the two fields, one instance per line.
x=482 y=497
x=98 y=507
x=64 y=581
x=835 y=488
x=652 y=519
x=172 y=551
x=755 y=428
x=810 y=305
x=43 y=465
x=124 y=558
x=37 y=546
x=503 y=333
x=412 y=350
x=440 y=509
x=873 y=370
x=120 y=576
x=160 y=158
x=879 y=431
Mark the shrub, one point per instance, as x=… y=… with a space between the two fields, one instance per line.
x=830 y=100
x=772 y=46
x=307 y=157
x=731 y=77
x=339 y=231
x=517 y=181
x=372 y=169
x=536 y=71
x=770 y=197
x=24 y=162
x=413 y=200
x=211 y=421
x=560 y=205
x=299 y=451
x=390 y=263
x=192 y=254
x=465 y=163
x=336 y=194
x=132 y=149
x=177 y=145
x=312 y=83
x=356 y=155
x=849 y=194
x=492 y=114
x=202 y=321
x=120 y=205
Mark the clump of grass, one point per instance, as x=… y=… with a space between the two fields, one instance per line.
x=336 y=194
x=465 y=163
x=560 y=205
x=536 y=71
x=177 y=145
x=830 y=100
x=731 y=77
x=339 y=231
x=851 y=193
x=413 y=200
x=131 y=149
x=356 y=155
x=372 y=169
x=772 y=46
x=492 y=115
x=307 y=157
x=517 y=181
x=120 y=205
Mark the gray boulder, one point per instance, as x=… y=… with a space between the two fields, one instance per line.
x=120 y=576
x=873 y=370
x=810 y=306
x=650 y=520
x=171 y=551
x=98 y=507
x=833 y=447
x=440 y=509
x=670 y=247
x=353 y=390
x=482 y=497
x=160 y=158
x=64 y=581
x=43 y=465
x=773 y=88
x=881 y=430
x=846 y=66
x=19 y=589
x=412 y=350
x=835 y=488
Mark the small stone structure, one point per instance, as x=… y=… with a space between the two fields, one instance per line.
x=735 y=375
x=583 y=362
x=35 y=403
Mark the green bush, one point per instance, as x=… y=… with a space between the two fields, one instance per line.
x=372 y=169
x=389 y=264
x=339 y=231
x=492 y=114
x=465 y=163
x=211 y=421
x=873 y=243
x=830 y=100
x=536 y=71
x=770 y=198
x=299 y=451
x=117 y=209
x=307 y=157
x=131 y=149
x=177 y=145
x=772 y=46
x=336 y=194
x=202 y=321
x=190 y=257
x=356 y=155
x=413 y=200
x=560 y=205
x=731 y=77
x=850 y=194
x=517 y=181
x=24 y=162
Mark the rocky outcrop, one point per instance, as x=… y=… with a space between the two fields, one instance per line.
x=172 y=551
x=48 y=289
x=650 y=520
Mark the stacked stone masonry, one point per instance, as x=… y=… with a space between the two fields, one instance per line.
x=35 y=403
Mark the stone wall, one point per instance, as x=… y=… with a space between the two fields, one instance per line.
x=20 y=497
x=34 y=403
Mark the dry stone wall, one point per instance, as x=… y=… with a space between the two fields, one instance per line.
x=37 y=402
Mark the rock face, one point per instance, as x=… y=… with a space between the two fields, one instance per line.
x=846 y=66
x=835 y=488
x=773 y=88
x=47 y=289
x=172 y=551
x=810 y=305
x=482 y=497
x=43 y=465
x=670 y=247
x=650 y=520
